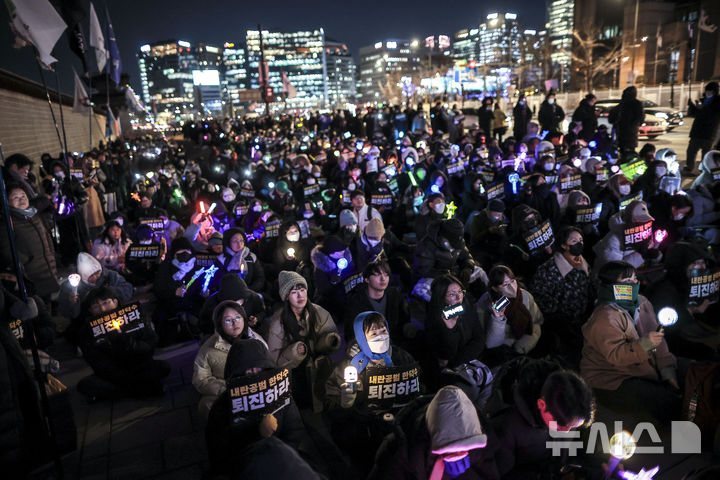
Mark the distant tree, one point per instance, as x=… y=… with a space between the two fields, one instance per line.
x=591 y=56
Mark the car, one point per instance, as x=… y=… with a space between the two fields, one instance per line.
x=653 y=126
x=674 y=118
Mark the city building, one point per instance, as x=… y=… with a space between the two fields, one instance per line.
x=206 y=79
x=300 y=55
x=234 y=76
x=560 y=24
x=465 y=47
x=384 y=66
x=340 y=74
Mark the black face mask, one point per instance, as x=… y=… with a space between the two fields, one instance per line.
x=576 y=249
x=183 y=257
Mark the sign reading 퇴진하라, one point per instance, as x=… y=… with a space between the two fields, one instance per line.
x=381 y=200
x=625 y=201
x=149 y=253
x=637 y=236
x=205 y=259
x=704 y=286
x=588 y=214
x=254 y=396
x=241 y=210
x=272 y=229
x=154 y=223
x=568 y=184
x=122 y=320
x=539 y=237
x=390 y=387
x=496 y=191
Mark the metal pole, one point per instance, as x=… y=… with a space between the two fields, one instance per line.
x=657 y=48
x=697 y=53
x=60 y=104
x=52 y=112
x=634 y=46
x=28 y=327
x=90 y=107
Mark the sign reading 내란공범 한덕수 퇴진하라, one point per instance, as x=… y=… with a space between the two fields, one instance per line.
x=391 y=387
x=254 y=396
x=121 y=321
x=539 y=237
x=148 y=253
x=704 y=285
x=637 y=236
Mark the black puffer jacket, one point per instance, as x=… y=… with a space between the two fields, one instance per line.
x=585 y=113
x=233 y=288
x=626 y=117
x=433 y=260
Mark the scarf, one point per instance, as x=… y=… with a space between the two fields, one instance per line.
x=238 y=263
x=26 y=213
x=518 y=316
x=183 y=268
x=362 y=359
x=624 y=295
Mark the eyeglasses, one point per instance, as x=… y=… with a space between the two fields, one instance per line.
x=236 y=320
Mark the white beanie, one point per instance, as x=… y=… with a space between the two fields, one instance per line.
x=87 y=265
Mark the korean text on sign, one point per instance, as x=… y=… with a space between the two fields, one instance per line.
x=393 y=386
x=122 y=320
x=540 y=237
x=258 y=395
x=638 y=235
x=705 y=286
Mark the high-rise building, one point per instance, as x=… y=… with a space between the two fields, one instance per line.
x=235 y=74
x=560 y=23
x=466 y=44
x=166 y=72
x=499 y=43
x=340 y=73
x=300 y=55
x=206 y=79
x=383 y=65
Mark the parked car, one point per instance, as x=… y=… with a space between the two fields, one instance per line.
x=673 y=118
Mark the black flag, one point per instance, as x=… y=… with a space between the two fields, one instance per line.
x=73 y=13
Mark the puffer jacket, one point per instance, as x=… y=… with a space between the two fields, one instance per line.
x=209 y=369
x=706 y=166
x=498 y=331
x=611 y=246
x=433 y=260
x=245 y=262
x=35 y=248
x=613 y=351
x=329 y=280
x=703 y=212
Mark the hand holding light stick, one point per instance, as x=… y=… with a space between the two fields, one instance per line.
x=74 y=280
x=622 y=447
x=351 y=377
x=667 y=317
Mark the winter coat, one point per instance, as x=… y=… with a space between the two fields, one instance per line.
x=460 y=344
x=704 y=211
x=329 y=280
x=423 y=221
x=252 y=304
x=707 y=119
x=585 y=113
x=209 y=369
x=613 y=351
x=626 y=117
x=498 y=331
x=550 y=116
x=35 y=249
x=324 y=340
x=433 y=260
x=108 y=278
x=611 y=247
x=364 y=215
x=245 y=262
x=396 y=310
x=165 y=287
x=94 y=216
x=706 y=167
x=561 y=290
x=521 y=117
x=110 y=255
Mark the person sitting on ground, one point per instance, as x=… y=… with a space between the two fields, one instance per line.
x=111 y=246
x=234 y=288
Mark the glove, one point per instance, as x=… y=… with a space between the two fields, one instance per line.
x=24 y=311
x=347 y=396
x=524 y=344
x=479 y=273
x=268 y=426
x=423 y=288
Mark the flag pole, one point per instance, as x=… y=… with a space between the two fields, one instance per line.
x=29 y=329
x=52 y=112
x=60 y=103
x=90 y=107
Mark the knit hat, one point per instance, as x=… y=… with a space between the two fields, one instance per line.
x=496 y=205
x=375 y=228
x=87 y=265
x=452 y=228
x=228 y=234
x=575 y=196
x=215 y=239
x=332 y=244
x=453 y=422
x=287 y=281
x=347 y=218
x=180 y=243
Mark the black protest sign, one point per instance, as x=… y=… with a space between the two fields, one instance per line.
x=390 y=387
x=487 y=175
x=241 y=210
x=123 y=320
x=322 y=181
x=551 y=179
x=588 y=214
x=17 y=328
x=77 y=173
x=456 y=168
x=309 y=190
x=637 y=236
x=625 y=201
x=715 y=172
x=247 y=192
x=272 y=229
x=570 y=183
x=704 y=286
x=352 y=281
x=393 y=185
x=154 y=223
x=381 y=200
x=496 y=191
x=254 y=396
x=601 y=174
x=205 y=259
x=539 y=237
x=149 y=253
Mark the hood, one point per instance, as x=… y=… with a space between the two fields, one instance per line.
x=217 y=316
x=324 y=262
x=630 y=93
x=453 y=422
x=244 y=355
x=87 y=265
x=616 y=223
x=710 y=161
x=228 y=234
x=233 y=287
x=362 y=358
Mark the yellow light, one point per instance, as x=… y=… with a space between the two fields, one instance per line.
x=450 y=209
x=622 y=445
x=116 y=324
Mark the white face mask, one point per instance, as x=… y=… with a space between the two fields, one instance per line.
x=549 y=166
x=60 y=175
x=380 y=344
x=293 y=237
x=679 y=217
x=372 y=243
x=352 y=227
x=439 y=207
x=308 y=214
x=551 y=101
x=316 y=174
x=351 y=187
x=257 y=208
x=311 y=181
x=624 y=189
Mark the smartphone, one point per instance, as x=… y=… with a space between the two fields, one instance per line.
x=453 y=311
x=501 y=304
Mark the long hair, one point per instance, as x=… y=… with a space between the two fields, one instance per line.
x=105 y=235
x=290 y=323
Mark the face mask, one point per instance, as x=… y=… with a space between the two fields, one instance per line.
x=316 y=174
x=60 y=175
x=183 y=257
x=293 y=237
x=352 y=227
x=549 y=166
x=352 y=187
x=373 y=243
x=551 y=101
x=380 y=344
x=660 y=171
x=308 y=214
x=624 y=189
x=311 y=181
x=679 y=217
x=576 y=249
x=257 y=208
x=439 y=208
x=417 y=201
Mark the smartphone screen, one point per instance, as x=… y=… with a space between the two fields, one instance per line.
x=501 y=304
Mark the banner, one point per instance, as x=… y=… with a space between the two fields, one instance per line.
x=352 y=281
x=637 y=236
x=634 y=168
x=588 y=214
x=496 y=191
x=123 y=320
x=258 y=395
x=704 y=286
x=309 y=190
x=81 y=101
x=390 y=387
x=625 y=201
x=569 y=184
x=272 y=229
x=205 y=259
x=539 y=237
x=154 y=223
x=149 y=253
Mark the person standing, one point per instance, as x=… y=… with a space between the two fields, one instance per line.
x=626 y=118
x=551 y=114
x=704 y=130
x=499 y=122
x=521 y=117
x=585 y=115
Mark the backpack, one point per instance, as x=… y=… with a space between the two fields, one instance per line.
x=701 y=398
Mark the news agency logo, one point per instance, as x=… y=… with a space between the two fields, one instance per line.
x=685 y=438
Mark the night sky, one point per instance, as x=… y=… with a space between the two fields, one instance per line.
x=357 y=23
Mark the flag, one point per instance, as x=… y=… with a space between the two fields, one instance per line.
x=38 y=23
x=97 y=40
x=288 y=88
x=132 y=100
x=73 y=13
x=111 y=125
x=659 y=37
x=115 y=65
x=81 y=100
x=703 y=23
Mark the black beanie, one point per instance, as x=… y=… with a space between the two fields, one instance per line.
x=180 y=243
x=244 y=355
x=332 y=244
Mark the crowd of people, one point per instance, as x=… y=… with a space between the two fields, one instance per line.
x=440 y=297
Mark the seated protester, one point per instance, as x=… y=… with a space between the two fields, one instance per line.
x=625 y=359
x=122 y=362
x=178 y=287
x=696 y=334
x=710 y=161
x=520 y=257
x=145 y=209
x=171 y=229
x=456 y=339
x=357 y=427
x=238 y=259
x=369 y=246
x=517 y=328
x=280 y=200
x=375 y=294
x=348 y=227
x=431 y=211
x=231 y=322
x=334 y=265
x=671 y=213
x=292 y=252
x=538 y=195
x=562 y=290
x=649 y=182
x=363 y=212
x=42 y=321
x=271 y=458
x=234 y=288
x=578 y=200
x=589 y=177
x=92 y=275
x=200 y=231
x=225 y=439
x=443 y=251
x=141 y=271
x=544 y=398
x=215 y=244
x=438 y=438
x=111 y=246
x=488 y=233
x=300 y=333
x=618 y=186
x=705 y=216
x=473 y=197
x=407 y=212
x=612 y=246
